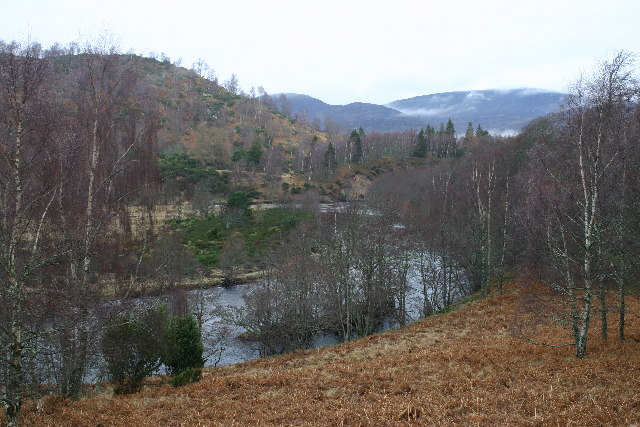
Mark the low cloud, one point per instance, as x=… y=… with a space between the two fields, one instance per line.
x=504 y=132
x=477 y=95
x=426 y=112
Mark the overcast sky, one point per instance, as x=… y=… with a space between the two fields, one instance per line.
x=345 y=51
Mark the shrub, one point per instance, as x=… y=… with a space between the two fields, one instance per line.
x=190 y=375
x=132 y=347
x=184 y=350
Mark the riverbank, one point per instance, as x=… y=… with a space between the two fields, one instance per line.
x=214 y=279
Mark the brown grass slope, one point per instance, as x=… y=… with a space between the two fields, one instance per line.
x=467 y=367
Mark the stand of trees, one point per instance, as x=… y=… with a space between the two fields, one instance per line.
x=71 y=162
x=344 y=274
x=582 y=194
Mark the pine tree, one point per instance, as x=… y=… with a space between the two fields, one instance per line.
x=481 y=132
x=468 y=136
x=355 y=146
x=254 y=154
x=421 y=147
x=184 y=358
x=330 y=158
x=449 y=130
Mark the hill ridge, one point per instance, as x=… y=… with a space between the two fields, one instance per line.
x=502 y=111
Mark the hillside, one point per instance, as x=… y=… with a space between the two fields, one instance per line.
x=500 y=111
x=209 y=121
x=469 y=366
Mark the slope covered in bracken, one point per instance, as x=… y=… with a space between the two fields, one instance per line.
x=473 y=365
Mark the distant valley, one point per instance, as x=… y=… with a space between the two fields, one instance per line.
x=499 y=111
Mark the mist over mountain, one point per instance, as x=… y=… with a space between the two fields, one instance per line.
x=499 y=111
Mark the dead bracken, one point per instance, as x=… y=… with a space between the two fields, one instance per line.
x=442 y=370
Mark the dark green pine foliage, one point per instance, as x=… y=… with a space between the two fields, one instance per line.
x=421 y=147
x=254 y=154
x=449 y=130
x=238 y=154
x=330 y=158
x=468 y=135
x=184 y=360
x=238 y=208
x=355 y=145
x=481 y=132
x=181 y=168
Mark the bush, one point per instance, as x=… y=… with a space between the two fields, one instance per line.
x=135 y=345
x=184 y=350
x=187 y=376
x=214 y=233
x=132 y=347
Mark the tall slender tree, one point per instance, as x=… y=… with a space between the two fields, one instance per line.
x=28 y=116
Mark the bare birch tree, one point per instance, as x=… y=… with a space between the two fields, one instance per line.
x=580 y=174
x=28 y=118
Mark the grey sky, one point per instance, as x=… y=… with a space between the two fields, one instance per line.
x=344 y=51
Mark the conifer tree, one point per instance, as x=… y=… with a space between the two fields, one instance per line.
x=468 y=136
x=421 y=147
x=481 y=132
x=355 y=146
x=330 y=158
x=450 y=130
x=254 y=154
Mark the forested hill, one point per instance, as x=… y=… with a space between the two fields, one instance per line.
x=215 y=122
x=499 y=111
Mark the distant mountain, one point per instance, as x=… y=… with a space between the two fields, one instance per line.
x=372 y=117
x=499 y=111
